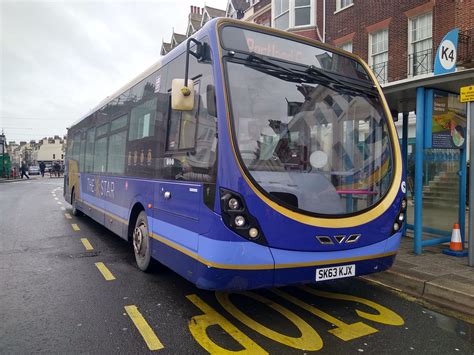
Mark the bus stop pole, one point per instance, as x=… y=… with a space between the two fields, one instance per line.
x=471 y=184
x=405 y=156
x=420 y=119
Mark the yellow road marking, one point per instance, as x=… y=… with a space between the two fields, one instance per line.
x=104 y=271
x=383 y=315
x=144 y=328
x=342 y=330
x=198 y=326
x=60 y=203
x=75 y=227
x=63 y=208
x=86 y=244
x=309 y=340
x=68 y=216
x=56 y=198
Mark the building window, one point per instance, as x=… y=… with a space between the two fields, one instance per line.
x=346 y=46
x=420 y=32
x=292 y=13
x=342 y=4
x=378 y=54
x=281 y=18
x=302 y=12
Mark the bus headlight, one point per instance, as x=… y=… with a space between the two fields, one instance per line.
x=397 y=225
x=236 y=217
x=234 y=204
x=404 y=204
x=239 y=221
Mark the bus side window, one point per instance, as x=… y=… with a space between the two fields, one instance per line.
x=83 y=151
x=100 y=149
x=76 y=146
x=89 y=156
x=117 y=145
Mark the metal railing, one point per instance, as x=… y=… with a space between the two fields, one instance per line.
x=380 y=71
x=420 y=62
x=465 y=49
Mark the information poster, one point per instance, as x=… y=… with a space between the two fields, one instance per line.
x=449 y=121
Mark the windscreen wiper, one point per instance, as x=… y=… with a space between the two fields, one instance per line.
x=272 y=68
x=313 y=70
x=344 y=85
x=313 y=73
x=254 y=57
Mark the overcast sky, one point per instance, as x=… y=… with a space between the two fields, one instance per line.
x=61 y=58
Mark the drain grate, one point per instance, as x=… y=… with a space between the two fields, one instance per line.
x=89 y=254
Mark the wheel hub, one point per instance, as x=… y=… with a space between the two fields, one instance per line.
x=138 y=238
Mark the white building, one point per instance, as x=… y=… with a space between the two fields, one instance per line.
x=49 y=150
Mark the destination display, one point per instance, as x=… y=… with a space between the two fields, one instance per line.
x=243 y=40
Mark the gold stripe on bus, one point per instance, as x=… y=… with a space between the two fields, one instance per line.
x=343 y=222
x=197 y=257
x=117 y=218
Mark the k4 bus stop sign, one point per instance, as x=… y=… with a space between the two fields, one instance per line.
x=446 y=56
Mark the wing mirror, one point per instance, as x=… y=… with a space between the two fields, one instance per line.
x=182 y=95
x=182 y=90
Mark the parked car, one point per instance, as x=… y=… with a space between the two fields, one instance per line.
x=34 y=170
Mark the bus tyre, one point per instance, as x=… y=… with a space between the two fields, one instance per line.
x=141 y=243
x=75 y=211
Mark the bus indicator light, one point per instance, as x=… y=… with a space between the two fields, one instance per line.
x=253 y=233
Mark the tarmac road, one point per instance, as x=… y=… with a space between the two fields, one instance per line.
x=58 y=297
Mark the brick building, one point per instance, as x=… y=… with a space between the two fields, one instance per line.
x=398 y=38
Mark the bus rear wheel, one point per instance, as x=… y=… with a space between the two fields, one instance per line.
x=141 y=243
x=75 y=211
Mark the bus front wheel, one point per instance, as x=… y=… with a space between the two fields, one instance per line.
x=141 y=243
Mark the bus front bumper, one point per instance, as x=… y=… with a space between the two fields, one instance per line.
x=249 y=265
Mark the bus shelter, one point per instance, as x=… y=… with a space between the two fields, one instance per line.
x=437 y=178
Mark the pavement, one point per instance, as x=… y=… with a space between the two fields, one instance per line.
x=440 y=279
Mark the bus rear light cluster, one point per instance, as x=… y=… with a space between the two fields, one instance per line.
x=397 y=225
x=236 y=216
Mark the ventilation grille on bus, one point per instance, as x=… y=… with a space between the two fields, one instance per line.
x=338 y=239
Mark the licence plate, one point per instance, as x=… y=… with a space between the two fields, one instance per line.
x=335 y=272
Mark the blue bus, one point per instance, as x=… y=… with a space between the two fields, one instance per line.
x=247 y=157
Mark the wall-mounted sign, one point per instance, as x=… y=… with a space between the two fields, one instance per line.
x=446 y=56
x=467 y=94
x=446 y=120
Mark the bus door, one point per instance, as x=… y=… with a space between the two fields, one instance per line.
x=180 y=198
